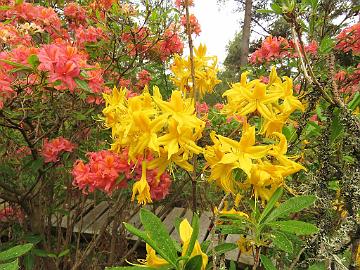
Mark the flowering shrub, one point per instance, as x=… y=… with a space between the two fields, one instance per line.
x=271 y=142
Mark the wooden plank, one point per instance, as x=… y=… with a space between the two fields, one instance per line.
x=233 y=255
x=91 y=217
x=88 y=205
x=98 y=223
x=205 y=222
x=169 y=221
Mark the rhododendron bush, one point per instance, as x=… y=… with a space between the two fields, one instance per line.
x=100 y=108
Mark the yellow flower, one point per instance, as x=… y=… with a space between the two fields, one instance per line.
x=186 y=231
x=152 y=260
x=205 y=72
x=248 y=98
x=226 y=155
x=141 y=188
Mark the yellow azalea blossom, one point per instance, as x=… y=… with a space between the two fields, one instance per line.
x=226 y=155
x=245 y=245
x=264 y=179
x=231 y=211
x=174 y=140
x=252 y=97
x=152 y=260
x=141 y=188
x=186 y=231
x=205 y=68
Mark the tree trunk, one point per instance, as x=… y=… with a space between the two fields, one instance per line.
x=245 y=40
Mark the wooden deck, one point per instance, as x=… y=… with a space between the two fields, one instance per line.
x=94 y=216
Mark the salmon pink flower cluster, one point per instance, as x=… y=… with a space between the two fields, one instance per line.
x=52 y=149
x=89 y=34
x=75 y=12
x=159 y=187
x=42 y=16
x=101 y=172
x=63 y=62
x=349 y=39
x=6 y=92
x=273 y=48
x=202 y=108
x=349 y=81
x=182 y=3
x=11 y=214
x=170 y=45
x=11 y=35
x=143 y=78
x=194 y=24
x=108 y=171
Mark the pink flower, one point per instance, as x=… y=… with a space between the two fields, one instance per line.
x=194 y=24
x=11 y=214
x=312 y=47
x=124 y=83
x=6 y=92
x=182 y=3
x=51 y=149
x=340 y=76
x=90 y=34
x=102 y=171
x=63 y=64
x=314 y=118
x=76 y=12
x=349 y=39
x=219 y=106
x=202 y=107
x=264 y=79
x=159 y=187
x=143 y=78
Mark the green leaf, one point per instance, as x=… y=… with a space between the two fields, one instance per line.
x=276 y=8
x=266 y=262
x=355 y=102
x=18 y=2
x=290 y=133
x=14 y=64
x=144 y=236
x=64 y=253
x=194 y=235
x=195 y=263
x=326 y=45
x=336 y=128
x=15 y=252
x=5 y=7
x=295 y=227
x=29 y=261
x=33 y=60
x=269 y=206
x=10 y=266
x=205 y=245
x=290 y=206
x=158 y=232
x=133 y=268
x=232 y=265
x=318 y=266
x=83 y=85
x=282 y=242
x=264 y=11
x=43 y=253
x=225 y=247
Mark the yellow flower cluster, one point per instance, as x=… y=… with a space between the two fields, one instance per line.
x=273 y=101
x=264 y=166
x=205 y=72
x=146 y=124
